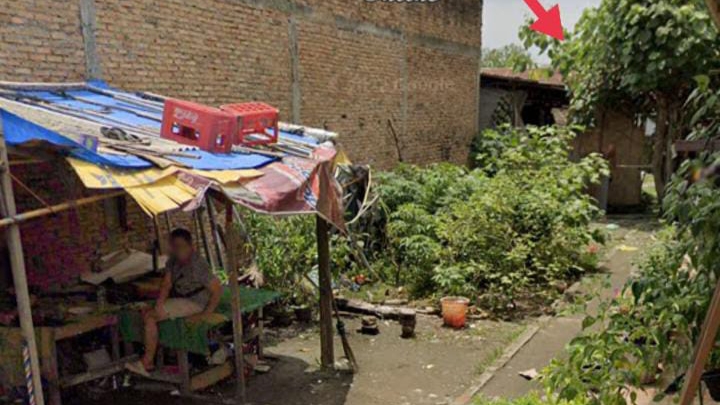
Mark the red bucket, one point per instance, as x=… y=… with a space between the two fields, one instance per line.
x=454 y=311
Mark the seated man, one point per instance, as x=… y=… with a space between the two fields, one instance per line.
x=189 y=290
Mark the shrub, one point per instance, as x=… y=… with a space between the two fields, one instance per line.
x=286 y=251
x=501 y=233
x=514 y=225
x=531 y=399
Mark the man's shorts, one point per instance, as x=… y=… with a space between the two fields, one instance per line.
x=181 y=308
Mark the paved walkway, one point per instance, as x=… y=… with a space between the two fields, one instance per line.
x=556 y=333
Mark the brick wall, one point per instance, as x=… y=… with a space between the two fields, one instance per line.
x=360 y=68
x=41 y=41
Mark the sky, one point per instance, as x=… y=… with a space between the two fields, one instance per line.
x=502 y=19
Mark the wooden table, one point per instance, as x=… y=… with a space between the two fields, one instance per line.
x=50 y=336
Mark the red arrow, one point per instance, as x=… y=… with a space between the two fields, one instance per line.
x=548 y=22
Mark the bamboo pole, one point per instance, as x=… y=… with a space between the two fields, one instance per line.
x=14 y=218
x=232 y=272
x=327 y=351
x=17 y=261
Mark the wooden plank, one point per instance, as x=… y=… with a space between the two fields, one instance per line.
x=165 y=377
x=702 y=350
x=17 y=262
x=381 y=311
x=211 y=377
x=86 y=325
x=232 y=272
x=684 y=146
x=107 y=370
x=327 y=350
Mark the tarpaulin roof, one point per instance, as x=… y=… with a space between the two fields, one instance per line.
x=162 y=175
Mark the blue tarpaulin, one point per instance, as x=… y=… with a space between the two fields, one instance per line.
x=18 y=131
x=221 y=161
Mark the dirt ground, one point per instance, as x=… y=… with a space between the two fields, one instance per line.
x=439 y=364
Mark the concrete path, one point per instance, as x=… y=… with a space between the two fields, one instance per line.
x=554 y=334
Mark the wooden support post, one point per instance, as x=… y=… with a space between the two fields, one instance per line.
x=184 y=366
x=17 y=262
x=115 y=342
x=158 y=239
x=49 y=366
x=215 y=233
x=232 y=272
x=203 y=235
x=327 y=351
x=261 y=330
x=702 y=349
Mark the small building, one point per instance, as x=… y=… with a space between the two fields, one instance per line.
x=526 y=98
x=539 y=98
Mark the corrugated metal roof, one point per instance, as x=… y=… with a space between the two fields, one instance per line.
x=537 y=76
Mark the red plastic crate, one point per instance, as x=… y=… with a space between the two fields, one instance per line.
x=193 y=124
x=253 y=119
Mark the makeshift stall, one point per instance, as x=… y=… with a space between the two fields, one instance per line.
x=111 y=140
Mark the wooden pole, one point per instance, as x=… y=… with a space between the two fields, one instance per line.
x=203 y=235
x=327 y=352
x=17 y=261
x=215 y=233
x=15 y=218
x=702 y=349
x=232 y=272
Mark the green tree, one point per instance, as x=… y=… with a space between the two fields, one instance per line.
x=638 y=55
x=509 y=56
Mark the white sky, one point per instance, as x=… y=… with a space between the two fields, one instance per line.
x=502 y=18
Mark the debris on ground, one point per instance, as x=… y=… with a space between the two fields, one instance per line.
x=529 y=375
x=369 y=326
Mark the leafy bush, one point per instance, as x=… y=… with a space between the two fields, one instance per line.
x=532 y=399
x=649 y=323
x=286 y=251
x=515 y=224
